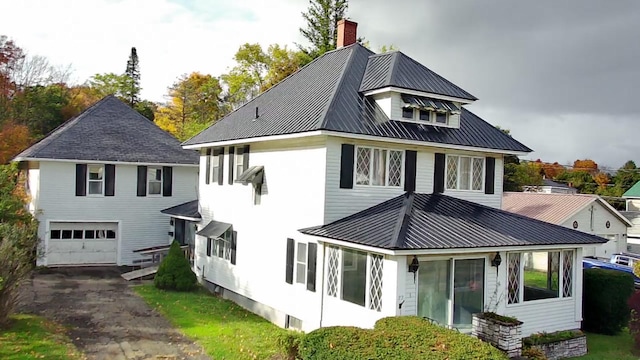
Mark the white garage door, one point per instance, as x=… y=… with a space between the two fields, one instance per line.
x=82 y=243
x=609 y=248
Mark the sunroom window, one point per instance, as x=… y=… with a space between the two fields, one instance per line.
x=355 y=276
x=540 y=275
x=465 y=173
x=379 y=167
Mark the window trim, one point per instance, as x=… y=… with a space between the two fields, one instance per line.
x=483 y=160
x=416 y=112
x=561 y=297
x=340 y=273
x=225 y=239
x=102 y=181
x=152 y=179
x=387 y=164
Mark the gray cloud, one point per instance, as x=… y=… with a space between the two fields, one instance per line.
x=571 y=67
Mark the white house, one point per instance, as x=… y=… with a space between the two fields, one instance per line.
x=583 y=212
x=98 y=182
x=360 y=187
x=632 y=202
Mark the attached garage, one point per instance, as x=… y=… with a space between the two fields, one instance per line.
x=82 y=243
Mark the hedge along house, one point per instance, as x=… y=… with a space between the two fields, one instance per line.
x=408 y=183
x=98 y=182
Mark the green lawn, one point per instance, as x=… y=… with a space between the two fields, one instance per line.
x=603 y=347
x=32 y=337
x=538 y=279
x=222 y=328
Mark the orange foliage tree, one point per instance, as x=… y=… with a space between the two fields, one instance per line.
x=13 y=139
x=602 y=179
x=587 y=165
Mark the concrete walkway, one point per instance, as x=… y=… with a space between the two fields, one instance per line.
x=106 y=319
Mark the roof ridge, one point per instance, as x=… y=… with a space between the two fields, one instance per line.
x=322 y=122
x=392 y=66
x=404 y=218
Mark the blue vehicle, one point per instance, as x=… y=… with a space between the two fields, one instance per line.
x=589 y=263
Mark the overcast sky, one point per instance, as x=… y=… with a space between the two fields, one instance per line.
x=562 y=76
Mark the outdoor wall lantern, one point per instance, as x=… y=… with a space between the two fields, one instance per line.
x=496 y=261
x=414 y=266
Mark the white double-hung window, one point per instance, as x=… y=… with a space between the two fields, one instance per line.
x=96 y=179
x=154 y=179
x=465 y=173
x=379 y=167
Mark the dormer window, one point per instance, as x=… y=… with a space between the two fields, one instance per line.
x=407 y=113
x=425 y=115
x=441 y=117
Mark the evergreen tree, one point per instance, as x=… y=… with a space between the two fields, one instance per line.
x=132 y=88
x=322 y=18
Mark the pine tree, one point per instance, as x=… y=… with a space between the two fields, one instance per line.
x=132 y=89
x=322 y=18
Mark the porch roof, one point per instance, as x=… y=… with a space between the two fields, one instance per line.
x=187 y=210
x=436 y=221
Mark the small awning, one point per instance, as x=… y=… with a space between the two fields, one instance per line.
x=214 y=229
x=253 y=174
x=430 y=104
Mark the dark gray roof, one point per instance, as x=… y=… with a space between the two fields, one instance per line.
x=436 y=221
x=428 y=103
x=547 y=182
x=110 y=130
x=214 y=229
x=325 y=95
x=397 y=69
x=188 y=210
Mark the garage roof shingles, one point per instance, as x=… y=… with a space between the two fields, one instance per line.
x=110 y=130
x=434 y=221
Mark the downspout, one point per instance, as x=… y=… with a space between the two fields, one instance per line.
x=324 y=262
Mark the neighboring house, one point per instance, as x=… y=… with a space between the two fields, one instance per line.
x=583 y=212
x=550 y=187
x=632 y=200
x=98 y=182
x=408 y=183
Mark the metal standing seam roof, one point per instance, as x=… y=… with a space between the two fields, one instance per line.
x=214 y=229
x=633 y=192
x=427 y=103
x=325 y=95
x=110 y=130
x=434 y=221
x=188 y=210
x=551 y=208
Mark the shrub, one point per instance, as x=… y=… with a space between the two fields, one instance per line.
x=174 y=272
x=509 y=320
x=406 y=337
x=546 y=338
x=605 y=295
x=634 y=323
x=289 y=343
x=534 y=354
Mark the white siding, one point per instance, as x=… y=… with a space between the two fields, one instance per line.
x=633 y=204
x=493 y=200
x=141 y=223
x=294 y=171
x=384 y=102
x=601 y=215
x=33 y=186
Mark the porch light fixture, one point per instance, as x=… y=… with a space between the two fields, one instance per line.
x=414 y=266
x=497 y=260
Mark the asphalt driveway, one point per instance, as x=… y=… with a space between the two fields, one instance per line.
x=106 y=319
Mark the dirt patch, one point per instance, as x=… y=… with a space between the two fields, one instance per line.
x=105 y=318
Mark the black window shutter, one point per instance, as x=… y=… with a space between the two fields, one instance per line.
x=231 y=161
x=221 y=166
x=410 y=160
x=234 y=245
x=490 y=174
x=289 y=277
x=81 y=179
x=438 y=173
x=110 y=180
x=346 y=166
x=209 y=246
x=167 y=180
x=207 y=167
x=142 y=180
x=312 y=251
x=245 y=161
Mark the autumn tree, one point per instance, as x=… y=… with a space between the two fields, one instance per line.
x=13 y=139
x=195 y=103
x=10 y=56
x=120 y=86
x=321 y=20
x=587 y=165
x=520 y=174
x=132 y=79
x=282 y=62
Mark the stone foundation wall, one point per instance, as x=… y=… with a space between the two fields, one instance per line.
x=565 y=348
x=506 y=337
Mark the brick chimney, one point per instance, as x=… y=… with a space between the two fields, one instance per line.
x=346 y=33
